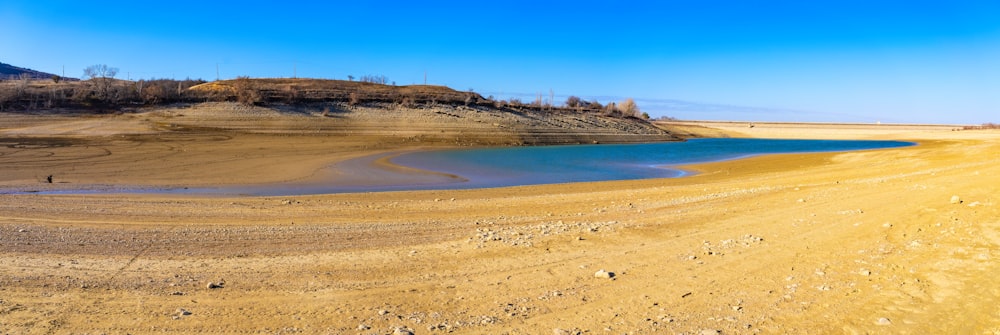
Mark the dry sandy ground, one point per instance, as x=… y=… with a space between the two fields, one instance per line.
x=859 y=242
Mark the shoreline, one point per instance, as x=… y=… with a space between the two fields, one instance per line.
x=374 y=173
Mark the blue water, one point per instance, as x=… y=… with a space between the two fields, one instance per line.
x=512 y=166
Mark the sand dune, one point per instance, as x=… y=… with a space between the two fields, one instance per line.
x=858 y=242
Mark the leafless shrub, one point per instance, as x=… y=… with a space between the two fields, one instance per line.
x=353 y=98
x=573 y=101
x=628 y=108
x=610 y=109
x=291 y=93
x=246 y=91
x=6 y=97
x=538 y=101
x=594 y=106
x=988 y=125
x=408 y=102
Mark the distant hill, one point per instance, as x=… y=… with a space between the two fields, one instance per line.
x=8 y=71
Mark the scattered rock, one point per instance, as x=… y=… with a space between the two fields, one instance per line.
x=364 y=327
x=22 y=230
x=213 y=285
x=865 y=272
x=604 y=274
x=883 y=322
x=183 y=312
x=800 y=200
x=955 y=199
x=177 y=293
x=383 y=312
x=710 y=332
x=402 y=331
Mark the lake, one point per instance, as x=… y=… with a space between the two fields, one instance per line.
x=511 y=166
x=515 y=166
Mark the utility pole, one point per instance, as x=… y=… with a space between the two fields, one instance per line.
x=295 y=70
x=216 y=71
x=425 y=77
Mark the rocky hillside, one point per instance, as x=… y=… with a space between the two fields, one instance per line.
x=427 y=124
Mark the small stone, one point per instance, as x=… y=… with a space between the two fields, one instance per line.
x=955 y=199
x=710 y=332
x=883 y=322
x=801 y=200
x=604 y=274
x=364 y=327
x=865 y=272
x=402 y=331
x=383 y=312
x=212 y=285
x=22 y=230
x=182 y=312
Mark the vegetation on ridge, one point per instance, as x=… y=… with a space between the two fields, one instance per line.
x=101 y=91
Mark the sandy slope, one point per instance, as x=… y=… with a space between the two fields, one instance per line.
x=861 y=242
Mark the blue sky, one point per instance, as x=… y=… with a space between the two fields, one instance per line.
x=855 y=61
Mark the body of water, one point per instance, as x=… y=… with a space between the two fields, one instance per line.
x=510 y=166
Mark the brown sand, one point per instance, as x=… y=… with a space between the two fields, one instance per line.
x=859 y=242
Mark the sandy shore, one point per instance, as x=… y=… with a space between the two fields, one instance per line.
x=858 y=242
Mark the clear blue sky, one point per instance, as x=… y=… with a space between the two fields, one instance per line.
x=861 y=61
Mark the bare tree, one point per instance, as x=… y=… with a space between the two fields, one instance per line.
x=379 y=79
x=101 y=78
x=100 y=71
